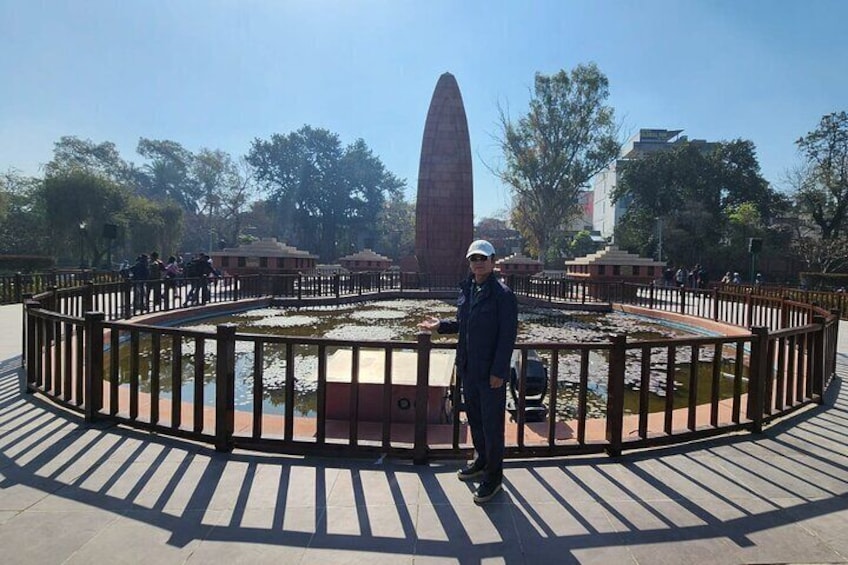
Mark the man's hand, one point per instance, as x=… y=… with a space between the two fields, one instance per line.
x=429 y=324
x=495 y=382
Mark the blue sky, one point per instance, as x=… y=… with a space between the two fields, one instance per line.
x=219 y=73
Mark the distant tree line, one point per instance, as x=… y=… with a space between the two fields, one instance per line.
x=304 y=188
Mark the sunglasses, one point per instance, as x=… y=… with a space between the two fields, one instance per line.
x=478 y=258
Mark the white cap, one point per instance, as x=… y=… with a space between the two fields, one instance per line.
x=480 y=247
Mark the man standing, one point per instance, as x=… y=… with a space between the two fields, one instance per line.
x=487 y=323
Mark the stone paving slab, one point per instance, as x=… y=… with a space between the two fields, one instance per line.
x=76 y=494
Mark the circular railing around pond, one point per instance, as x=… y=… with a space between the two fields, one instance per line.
x=83 y=349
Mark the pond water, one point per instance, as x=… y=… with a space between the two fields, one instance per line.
x=396 y=320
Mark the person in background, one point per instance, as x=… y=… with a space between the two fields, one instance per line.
x=487 y=323
x=154 y=287
x=172 y=273
x=139 y=273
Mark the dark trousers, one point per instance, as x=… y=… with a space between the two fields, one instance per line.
x=485 y=408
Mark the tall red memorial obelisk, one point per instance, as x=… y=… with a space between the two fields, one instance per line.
x=444 y=213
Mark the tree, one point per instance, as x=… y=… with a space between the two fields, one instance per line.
x=396 y=228
x=76 y=198
x=582 y=244
x=821 y=255
x=168 y=175
x=79 y=198
x=822 y=183
x=102 y=159
x=23 y=226
x=322 y=195
x=567 y=136
x=708 y=199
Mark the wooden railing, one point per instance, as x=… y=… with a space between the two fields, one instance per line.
x=79 y=353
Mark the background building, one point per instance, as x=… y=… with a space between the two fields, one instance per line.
x=266 y=255
x=605 y=213
x=365 y=260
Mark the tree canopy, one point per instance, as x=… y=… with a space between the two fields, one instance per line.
x=566 y=137
x=325 y=197
x=821 y=194
x=823 y=191
x=709 y=199
x=320 y=195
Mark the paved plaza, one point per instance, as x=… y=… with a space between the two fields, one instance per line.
x=71 y=493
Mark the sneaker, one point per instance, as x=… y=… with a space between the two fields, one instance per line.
x=471 y=471
x=486 y=492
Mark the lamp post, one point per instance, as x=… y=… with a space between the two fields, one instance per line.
x=660 y=238
x=82 y=245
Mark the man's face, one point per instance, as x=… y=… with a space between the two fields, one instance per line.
x=481 y=265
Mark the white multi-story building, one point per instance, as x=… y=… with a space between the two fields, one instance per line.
x=605 y=213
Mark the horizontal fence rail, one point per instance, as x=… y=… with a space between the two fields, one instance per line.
x=309 y=395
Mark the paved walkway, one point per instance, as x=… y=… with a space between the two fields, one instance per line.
x=76 y=494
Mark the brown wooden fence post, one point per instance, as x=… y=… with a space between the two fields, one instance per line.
x=833 y=349
x=651 y=291
x=422 y=388
x=757 y=375
x=30 y=347
x=225 y=378
x=615 y=395
x=19 y=287
x=749 y=309
x=93 y=366
x=715 y=304
x=126 y=299
x=818 y=360
x=88 y=297
x=234 y=282
x=25 y=297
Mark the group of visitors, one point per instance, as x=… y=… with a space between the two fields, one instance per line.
x=153 y=279
x=736 y=278
x=696 y=277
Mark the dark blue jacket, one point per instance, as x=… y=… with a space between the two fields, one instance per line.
x=487 y=329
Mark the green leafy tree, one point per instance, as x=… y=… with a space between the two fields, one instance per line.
x=582 y=244
x=23 y=225
x=396 y=228
x=701 y=197
x=102 y=159
x=168 y=173
x=566 y=137
x=320 y=192
x=151 y=226
x=78 y=204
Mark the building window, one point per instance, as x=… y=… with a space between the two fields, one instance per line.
x=281 y=262
x=263 y=262
x=636 y=270
x=651 y=271
x=225 y=261
x=616 y=270
x=602 y=269
x=242 y=261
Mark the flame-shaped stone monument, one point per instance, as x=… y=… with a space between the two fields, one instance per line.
x=444 y=214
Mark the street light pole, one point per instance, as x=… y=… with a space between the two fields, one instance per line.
x=659 y=237
x=82 y=245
